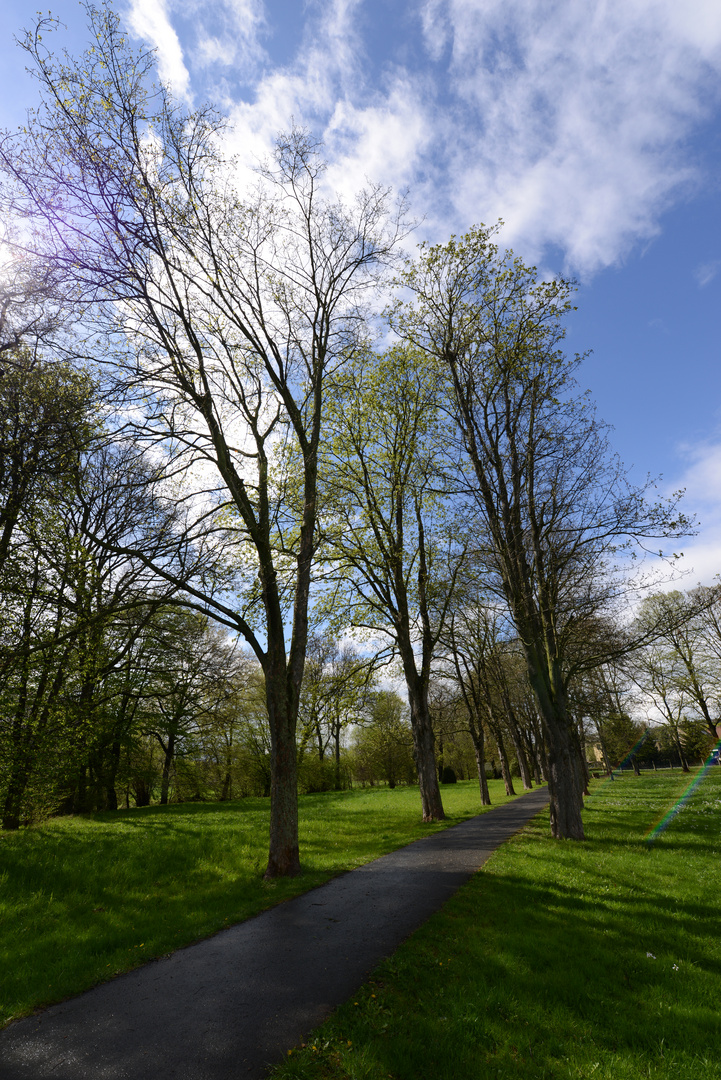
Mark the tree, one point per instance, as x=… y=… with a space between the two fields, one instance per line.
x=485 y=665
x=220 y=319
x=73 y=613
x=180 y=657
x=554 y=504
x=688 y=667
x=336 y=685
x=44 y=427
x=382 y=746
x=387 y=525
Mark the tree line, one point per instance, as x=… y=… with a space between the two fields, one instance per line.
x=248 y=408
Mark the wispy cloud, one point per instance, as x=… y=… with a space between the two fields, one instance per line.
x=151 y=22
x=706 y=272
x=569 y=115
x=701 y=480
x=568 y=118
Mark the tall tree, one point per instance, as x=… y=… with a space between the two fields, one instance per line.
x=687 y=651
x=221 y=319
x=388 y=525
x=554 y=503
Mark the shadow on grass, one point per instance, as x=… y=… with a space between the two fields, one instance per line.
x=597 y=959
x=527 y=979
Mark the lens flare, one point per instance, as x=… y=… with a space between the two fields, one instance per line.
x=611 y=776
x=668 y=817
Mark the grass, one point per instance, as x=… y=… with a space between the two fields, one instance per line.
x=597 y=960
x=83 y=899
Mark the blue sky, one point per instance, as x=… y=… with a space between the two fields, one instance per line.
x=590 y=126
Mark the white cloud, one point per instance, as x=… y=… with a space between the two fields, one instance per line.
x=701 y=480
x=150 y=21
x=383 y=142
x=436 y=27
x=568 y=118
x=312 y=92
x=229 y=36
x=569 y=115
x=705 y=273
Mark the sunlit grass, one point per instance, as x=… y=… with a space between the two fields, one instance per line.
x=596 y=960
x=82 y=899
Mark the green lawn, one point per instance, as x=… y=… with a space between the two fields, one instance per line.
x=597 y=960
x=82 y=899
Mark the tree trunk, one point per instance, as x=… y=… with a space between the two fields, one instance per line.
x=19 y=776
x=336 y=737
x=425 y=761
x=13 y=800
x=439 y=757
x=283 y=855
x=478 y=739
x=681 y=755
x=141 y=790
x=525 y=732
x=539 y=751
x=502 y=756
x=564 y=781
x=520 y=750
x=602 y=743
x=111 y=795
x=167 y=764
x=582 y=763
x=80 y=797
x=505 y=769
x=424 y=754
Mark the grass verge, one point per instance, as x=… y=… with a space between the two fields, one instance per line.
x=83 y=899
x=595 y=960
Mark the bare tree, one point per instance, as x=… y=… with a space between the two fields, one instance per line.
x=220 y=319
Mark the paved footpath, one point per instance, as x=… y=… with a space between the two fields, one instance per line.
x=229 y=1007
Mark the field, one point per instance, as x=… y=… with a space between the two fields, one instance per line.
x=597 y=960
x=82 y=899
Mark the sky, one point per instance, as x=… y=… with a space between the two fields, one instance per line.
x=591 y=127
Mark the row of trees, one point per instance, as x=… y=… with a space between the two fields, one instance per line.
x=255 y=457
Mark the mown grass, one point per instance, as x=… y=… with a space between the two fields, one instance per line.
x=596 y=960
x=82 y=899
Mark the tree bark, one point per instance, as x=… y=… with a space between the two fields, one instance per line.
x=284 y=854
x=518 y=747
x=502 y=755
x=478 y=739
x=169 y=749
x=424 y=757
x=564 y=782
x=424 y=754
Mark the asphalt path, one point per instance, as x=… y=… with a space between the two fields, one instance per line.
x=234 y=1004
